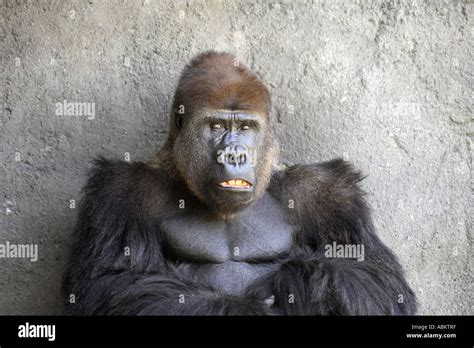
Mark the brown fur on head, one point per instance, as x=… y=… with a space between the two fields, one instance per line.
x=215 y=81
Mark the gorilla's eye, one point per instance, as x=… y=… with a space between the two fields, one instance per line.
x=216 y=126
x=245 y=127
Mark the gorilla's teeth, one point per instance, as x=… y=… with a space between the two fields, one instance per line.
x=235 y=183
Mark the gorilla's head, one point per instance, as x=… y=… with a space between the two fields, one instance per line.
x=220 y=139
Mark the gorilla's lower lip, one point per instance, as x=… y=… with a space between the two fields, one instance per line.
x=238 y=184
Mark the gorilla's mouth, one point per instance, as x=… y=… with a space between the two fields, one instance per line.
x=236 y=184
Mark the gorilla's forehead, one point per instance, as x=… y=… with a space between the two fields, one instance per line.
x=231 y=115
x=245 y=113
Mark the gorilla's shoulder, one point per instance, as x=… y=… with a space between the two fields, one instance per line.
x=333 y=184
x=127 y=185
x=122 y=175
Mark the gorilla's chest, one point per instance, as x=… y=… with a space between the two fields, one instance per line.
x=258 y=234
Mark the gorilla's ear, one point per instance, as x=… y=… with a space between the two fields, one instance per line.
x=178 y=119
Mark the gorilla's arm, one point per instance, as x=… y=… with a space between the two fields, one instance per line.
x=326 y=203
x=118 y=266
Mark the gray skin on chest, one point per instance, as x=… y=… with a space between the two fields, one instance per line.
x=229 y=255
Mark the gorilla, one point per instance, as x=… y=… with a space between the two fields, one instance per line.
x=213 y=225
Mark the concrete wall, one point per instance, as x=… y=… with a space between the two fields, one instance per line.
x=385 y=84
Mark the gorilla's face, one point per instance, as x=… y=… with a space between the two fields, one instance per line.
x=225 y=157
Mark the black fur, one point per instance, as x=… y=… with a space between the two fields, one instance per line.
x=113 y=215
x=189 y=234
x=124 y=203
x=330 y=207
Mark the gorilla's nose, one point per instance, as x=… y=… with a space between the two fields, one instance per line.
x=235 y=157
x=236 y=167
